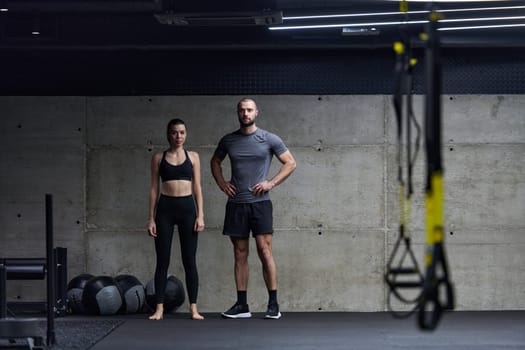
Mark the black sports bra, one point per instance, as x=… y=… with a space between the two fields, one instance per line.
x=170 y=172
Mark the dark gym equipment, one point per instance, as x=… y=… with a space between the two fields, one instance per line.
x=174 y=295
x=132 y=293
x=438 y=293
x=75 y=287
x=54 y=269
x=101 y=296
x=403 y=276
x=435 y=290
x=35 y=269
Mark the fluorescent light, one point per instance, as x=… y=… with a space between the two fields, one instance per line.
x=497 y=26
x=345 y=15
x=341 y=25
x=401 y=22
x=482 y=19
x=495 y=8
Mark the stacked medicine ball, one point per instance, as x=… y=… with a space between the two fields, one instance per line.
x=123 y=294
x=173 y=297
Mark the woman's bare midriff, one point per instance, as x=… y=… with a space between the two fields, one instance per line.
x=176 y=188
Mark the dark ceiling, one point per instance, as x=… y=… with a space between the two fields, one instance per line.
x=90 y=47
x=226 y=24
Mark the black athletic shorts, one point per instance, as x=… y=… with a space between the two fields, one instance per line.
x=241 y=218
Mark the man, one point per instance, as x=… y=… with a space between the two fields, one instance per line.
x=249 y=207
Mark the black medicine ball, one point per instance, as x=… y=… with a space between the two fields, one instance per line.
x=75 y=287
x=101 y=296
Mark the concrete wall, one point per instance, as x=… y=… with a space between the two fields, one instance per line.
x=336 y=218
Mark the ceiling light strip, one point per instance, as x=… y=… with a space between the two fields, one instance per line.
x=340 y=25
x=485 y=27
x=482 y=19
x=472 y=9
x=345 y=15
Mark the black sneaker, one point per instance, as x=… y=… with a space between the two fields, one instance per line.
x=238 y=311
x=273 y=312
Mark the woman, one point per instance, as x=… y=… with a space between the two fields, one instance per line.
x=179 y=203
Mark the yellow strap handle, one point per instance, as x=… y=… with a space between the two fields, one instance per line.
x=403 y=6
x=434 y=203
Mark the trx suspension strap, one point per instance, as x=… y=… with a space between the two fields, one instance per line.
x=438 y=294
x=402 y=270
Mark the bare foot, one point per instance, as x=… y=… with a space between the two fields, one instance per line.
x=156 y=316
x=159 y=312
x=195 y=315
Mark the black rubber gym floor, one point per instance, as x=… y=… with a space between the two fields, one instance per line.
x=319 y=331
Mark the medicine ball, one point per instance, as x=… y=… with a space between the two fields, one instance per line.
x=101 y=296
x=132 y=293
x=174 y=295
x=75 y=287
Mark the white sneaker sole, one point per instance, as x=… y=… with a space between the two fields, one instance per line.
x=243 y=315
x=273 y=317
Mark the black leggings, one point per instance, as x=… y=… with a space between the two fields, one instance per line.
x=178 y=211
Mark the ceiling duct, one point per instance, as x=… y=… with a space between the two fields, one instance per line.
x=263 y=18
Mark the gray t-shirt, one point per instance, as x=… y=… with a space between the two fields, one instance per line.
x=250 y=159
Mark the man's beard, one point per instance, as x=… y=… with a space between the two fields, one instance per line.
x=245 y=125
